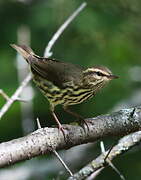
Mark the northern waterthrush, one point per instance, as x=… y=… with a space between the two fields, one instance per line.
x=64 y=83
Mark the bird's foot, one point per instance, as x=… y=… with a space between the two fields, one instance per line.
x=84 y=124
x=62 y=129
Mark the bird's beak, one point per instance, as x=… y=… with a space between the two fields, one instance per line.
x=112 y=77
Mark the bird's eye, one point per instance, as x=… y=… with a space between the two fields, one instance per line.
x=99 y=73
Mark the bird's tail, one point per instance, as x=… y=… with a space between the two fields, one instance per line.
x=25 y=51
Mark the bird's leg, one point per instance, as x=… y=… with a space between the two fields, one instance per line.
x=78 y=116
x=57 y=121
x=60 y=127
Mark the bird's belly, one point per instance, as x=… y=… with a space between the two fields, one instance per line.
x=67 y=96
x=76 y=96
x=51 y=92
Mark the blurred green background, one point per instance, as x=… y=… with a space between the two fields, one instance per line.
x=105 y=33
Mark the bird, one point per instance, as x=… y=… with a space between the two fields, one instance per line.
x=64 y=83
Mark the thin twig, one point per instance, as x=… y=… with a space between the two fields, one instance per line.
x=116 y=170
x=106 y=155
x=109 y=161
x=4 y=94
x=62 y=162
x=56 y=153
x=21 y=100
x=38 y=123
x=48 y=53
x=15 y=96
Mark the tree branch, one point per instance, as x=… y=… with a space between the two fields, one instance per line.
x=45 y=140
x=99 y=163
x=15 y=96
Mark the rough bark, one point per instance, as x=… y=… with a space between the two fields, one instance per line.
x=44 y=140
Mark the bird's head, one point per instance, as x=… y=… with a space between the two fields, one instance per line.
x=97 y=76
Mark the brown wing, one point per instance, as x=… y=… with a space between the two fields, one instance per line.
x=52 y=70
x=55 y=71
